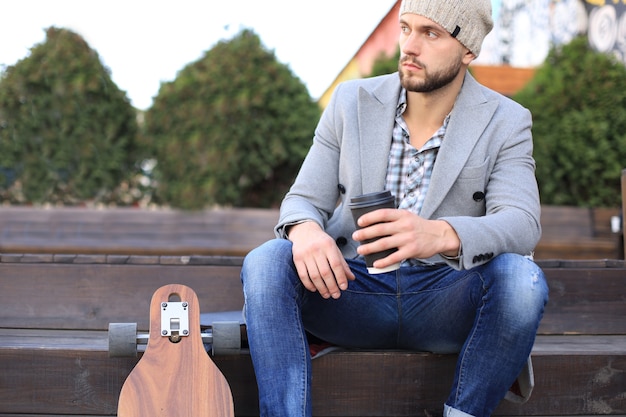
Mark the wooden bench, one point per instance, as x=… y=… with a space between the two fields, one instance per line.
x=582 y=233
x=579 y=233
x=129 y=231
x=568 y=232
x=56 y=309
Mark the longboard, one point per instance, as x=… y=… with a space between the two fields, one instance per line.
x=175 y=377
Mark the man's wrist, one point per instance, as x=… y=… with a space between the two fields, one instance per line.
x=453 y=247
x=453 y=257
x=289 y=228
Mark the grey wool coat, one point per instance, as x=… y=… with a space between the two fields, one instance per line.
x=483 y=183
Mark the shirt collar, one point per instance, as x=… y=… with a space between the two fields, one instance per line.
x=401 y=107
x=401 y=102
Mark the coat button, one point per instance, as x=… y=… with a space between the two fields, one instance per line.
x=478 y=196
x=341 y=241
x=341 y=188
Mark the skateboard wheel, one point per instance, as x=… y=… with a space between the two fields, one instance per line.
x=226 y=337
x=122 y=340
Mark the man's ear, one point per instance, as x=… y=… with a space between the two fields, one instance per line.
x=468 y=57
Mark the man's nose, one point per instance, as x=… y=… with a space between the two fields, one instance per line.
x=412 y=45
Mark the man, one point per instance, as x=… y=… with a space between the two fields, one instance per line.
x=458 y=159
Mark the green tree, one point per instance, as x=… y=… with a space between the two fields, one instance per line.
x=67 y=133
x=578 y=101
x=231 y=129
x=386 y=65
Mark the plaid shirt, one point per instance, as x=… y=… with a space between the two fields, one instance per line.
x=409 y=170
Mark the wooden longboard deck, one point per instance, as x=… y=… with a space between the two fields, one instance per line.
x=175 y=379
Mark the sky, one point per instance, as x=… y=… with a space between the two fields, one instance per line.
x=146 y=42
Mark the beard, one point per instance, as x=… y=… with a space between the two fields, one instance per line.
x=432 y=81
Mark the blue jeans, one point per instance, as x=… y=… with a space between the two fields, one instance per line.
x=489 y=315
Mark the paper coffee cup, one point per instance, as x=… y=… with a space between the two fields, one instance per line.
x=366 y=203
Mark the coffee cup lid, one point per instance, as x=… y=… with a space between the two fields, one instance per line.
x=371 y=198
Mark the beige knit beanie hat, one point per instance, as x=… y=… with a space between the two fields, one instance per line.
x=469 y=21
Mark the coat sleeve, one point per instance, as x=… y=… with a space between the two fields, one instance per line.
x=314 y=193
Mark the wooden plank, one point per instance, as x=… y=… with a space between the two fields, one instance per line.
x=559 y=222
x=571 y=264
x=92 y=415
x=405 y=385
x=562 y=222
x=578 y=248
x=577 y=233
x=585 y=301
x=90 y=296
x=574 y=375
x=88 y=292
x=61 y=381
x=579 y=345
x=79 y=340
x=601 y=218
x=133 y=231
x=624 y=212
x=592 y=384
x=50 y=415
x=568 y=232
x=97 y=340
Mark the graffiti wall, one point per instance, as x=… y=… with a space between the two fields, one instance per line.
x=524 y=30
x=607 y=26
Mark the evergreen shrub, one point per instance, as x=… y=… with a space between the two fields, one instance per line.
x=232 y=129
x=578 y=101
x=67 y=133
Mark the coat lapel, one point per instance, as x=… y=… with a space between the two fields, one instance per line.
x=468 y=120
x=377 y=111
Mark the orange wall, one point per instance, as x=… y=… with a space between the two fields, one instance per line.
x=502 y=78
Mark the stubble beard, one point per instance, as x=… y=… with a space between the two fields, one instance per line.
x=431 y=81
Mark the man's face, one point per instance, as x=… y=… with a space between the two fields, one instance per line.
x=430 y=57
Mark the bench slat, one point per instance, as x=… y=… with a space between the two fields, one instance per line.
x=585 y=301
x=38 y=293
x=568 y=232
x=90 y=296
x=346 y=383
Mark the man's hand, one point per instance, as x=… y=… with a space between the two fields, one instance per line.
x=319 y=262
x=412 y=235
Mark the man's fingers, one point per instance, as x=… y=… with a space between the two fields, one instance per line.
x=321 y=277
x=311 y=278
x=303 y=273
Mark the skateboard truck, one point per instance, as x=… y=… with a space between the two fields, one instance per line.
x=223 y=336
x=174 y=320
